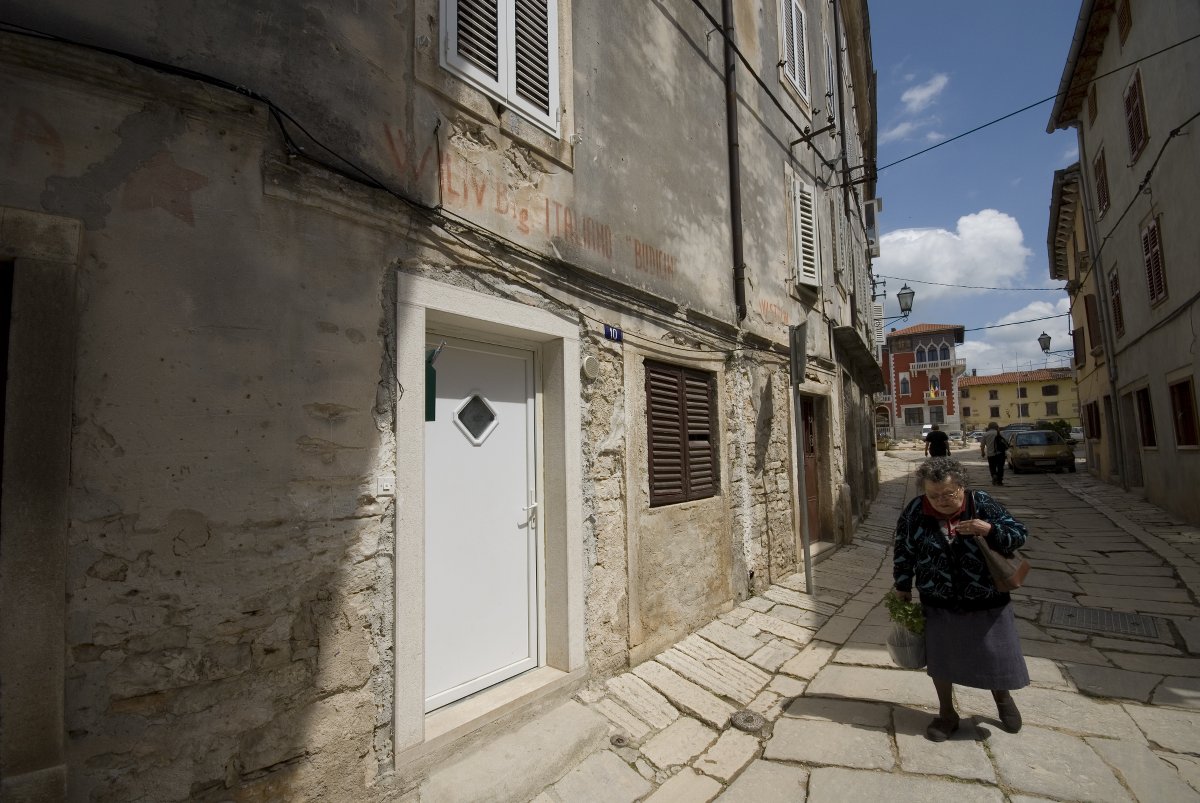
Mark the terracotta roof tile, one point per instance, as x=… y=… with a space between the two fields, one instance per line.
x=1012 y=377
x=921 y=328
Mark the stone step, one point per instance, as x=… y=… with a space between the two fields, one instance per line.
x=523 y=762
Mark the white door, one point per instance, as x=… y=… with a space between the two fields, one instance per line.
x=481 y=601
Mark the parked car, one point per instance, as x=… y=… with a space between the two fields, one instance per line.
x=1013 y=429
x=975 y=436
x=1039 y=449
x=956 y=435
x=1076 y=435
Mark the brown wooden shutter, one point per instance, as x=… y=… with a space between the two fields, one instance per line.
x=1114 y=294
x=1101 y=174
x=665 y=423
x=1124 y=20
x=1156 y=280
x=1077 y=345
x=1135 y=116
x=701 y=456
x=1093 y=320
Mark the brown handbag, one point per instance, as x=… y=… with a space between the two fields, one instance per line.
x=1007 y=573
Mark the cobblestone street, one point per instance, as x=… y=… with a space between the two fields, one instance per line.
x=1113 y=712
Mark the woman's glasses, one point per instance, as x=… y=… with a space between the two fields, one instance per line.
x=945 y=496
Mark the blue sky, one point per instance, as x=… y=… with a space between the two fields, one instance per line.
x=974 y=211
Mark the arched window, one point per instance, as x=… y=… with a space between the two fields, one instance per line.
x=934 y=384
x=945 y=352
x=905 y=388
x=920 y=354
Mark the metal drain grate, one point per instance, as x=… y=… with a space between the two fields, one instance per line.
x=1100 y=620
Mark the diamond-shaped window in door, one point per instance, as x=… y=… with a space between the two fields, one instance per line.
x=476 y=418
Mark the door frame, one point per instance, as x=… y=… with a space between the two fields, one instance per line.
x=423 y=304
x=500 y=346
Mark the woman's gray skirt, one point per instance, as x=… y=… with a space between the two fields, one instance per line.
x=980 y=649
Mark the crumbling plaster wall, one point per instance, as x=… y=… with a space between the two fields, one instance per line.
x=229 y=572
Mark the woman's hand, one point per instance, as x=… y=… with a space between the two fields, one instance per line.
x=904 y=595
x=974 y=527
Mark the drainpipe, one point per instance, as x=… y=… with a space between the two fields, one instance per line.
x=735 y=170
x=1102 y=308
x=841 y=111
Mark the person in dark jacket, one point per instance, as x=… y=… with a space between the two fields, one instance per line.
x=993 y=446
x=937 y=443
x=970 y=630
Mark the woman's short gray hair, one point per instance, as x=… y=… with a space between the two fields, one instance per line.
x=940 y=469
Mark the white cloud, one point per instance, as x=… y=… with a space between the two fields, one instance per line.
x=1071 y=154
x=986 y=248
x=899 y=131
x=1015 y=347
x=934 y=136
x=918 y=97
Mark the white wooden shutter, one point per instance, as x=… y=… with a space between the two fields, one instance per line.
x=804 y=220
x=877 y=310
x=509 y=50
x=794 y=52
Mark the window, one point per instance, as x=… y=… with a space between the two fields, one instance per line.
x=935 y=383
x=914 y=415
x=1049 y=390
x=1022 y=392
x=1092 y=104
x=1156 y=280
x=964 y=392
x=1135 y=117
x=508 y=49
x=937 y=415
x=920 y=354
x=795 y=58
x=905 y=386
x=1077 y=347
x=1124 y=20
x=681 y=419
x=1114 y=297
x=966 y=411
x=1145 y=417
x=1183 y=413
x=993 y=395
x=807 y=264
x=1023 y=410
x=1100 y=174
x=994 y=412
x=1091 y=420
x=944 y=354
x=1052 y=408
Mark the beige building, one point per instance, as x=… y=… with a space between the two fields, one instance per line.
x=382 y=373
x=1128 y=92
x=1018 y=397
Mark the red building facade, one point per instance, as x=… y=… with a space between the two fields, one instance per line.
x=921 y=370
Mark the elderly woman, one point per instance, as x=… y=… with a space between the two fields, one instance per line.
x=970 y=631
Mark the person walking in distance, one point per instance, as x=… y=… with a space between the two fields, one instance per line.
x=970 y=627
x=993 y=446
x=937 y=443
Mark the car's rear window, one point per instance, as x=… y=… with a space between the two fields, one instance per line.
x=1038 y=438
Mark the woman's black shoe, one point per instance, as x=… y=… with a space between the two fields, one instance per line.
x=941 y=728
x=1010 y=716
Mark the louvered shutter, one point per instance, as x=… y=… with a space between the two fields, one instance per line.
x=532 y=68
x=1114 y=295
x=1135 y=116
x=1156 y=280
x=474 y=31
x=1101 y=171
x=665 y=428
x=804 y=216
x=795 y=66
x=701 y=456
x=1093 y=320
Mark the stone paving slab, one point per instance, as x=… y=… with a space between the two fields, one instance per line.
x=767 y=782
x=1101 y=681
x=1055 y=765
x=799 y=635
x=688 y=786
x=820 y=742
x=907 y=687
x=1055 y=708
x=686 y=695
x=810 y=661
x=725 y=759
x=600 y=777
x=728 y=638
x=836 y=785
x=679 y=743
x=1125 y=645
x=1171 y=729
x=848 y=712
x=1188 y=667
x=642 y=700
x=1148 y=776
x=1178 y=692
x=961 y=756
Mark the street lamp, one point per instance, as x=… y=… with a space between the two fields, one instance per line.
x=1044 y=342
x=905 y=297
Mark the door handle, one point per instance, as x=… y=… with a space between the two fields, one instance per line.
x=530 y=510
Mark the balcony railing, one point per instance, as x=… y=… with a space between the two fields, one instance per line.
x=883 y=398
x=956 y=366
x=934 y=395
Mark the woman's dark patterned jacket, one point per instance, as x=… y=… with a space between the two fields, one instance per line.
x=953 y=574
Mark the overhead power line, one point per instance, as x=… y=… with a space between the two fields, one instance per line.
x=1032 y=105
x=1016 y=323
x=971 y=286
